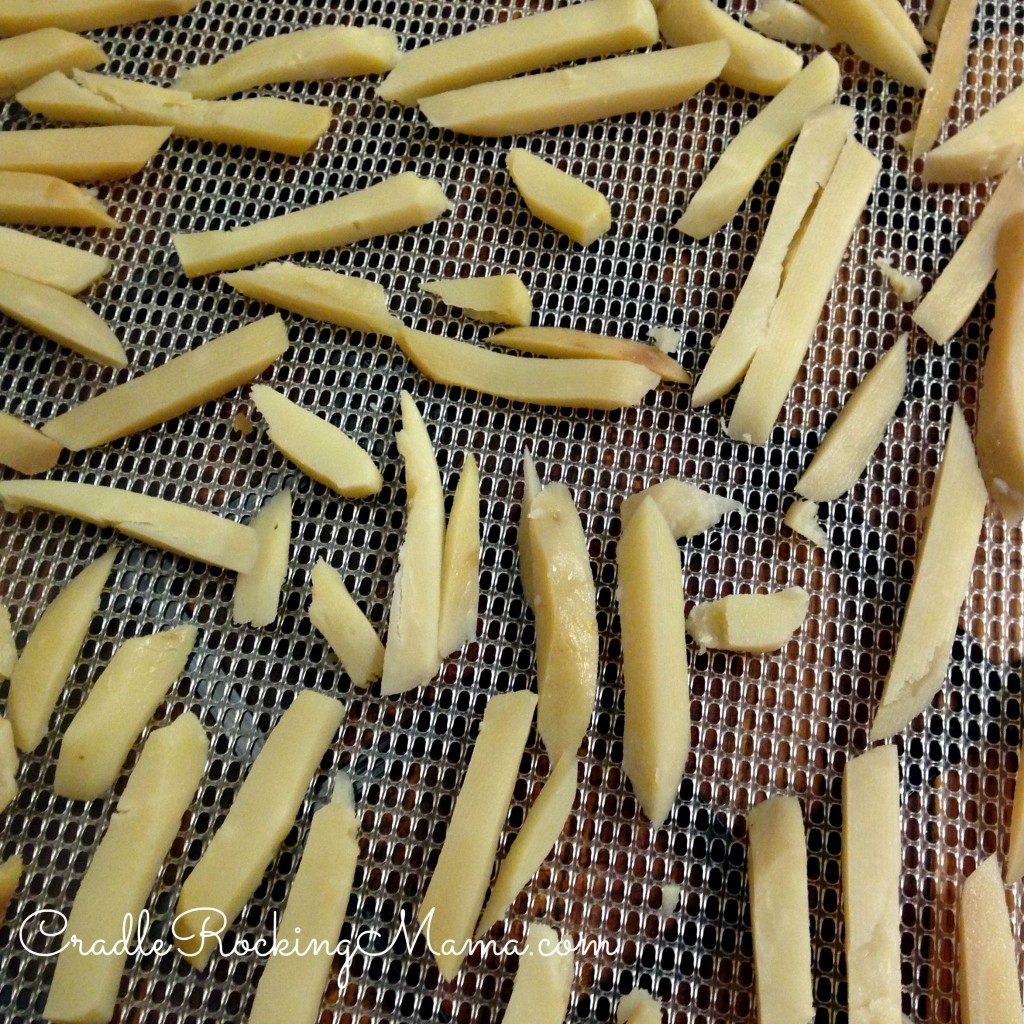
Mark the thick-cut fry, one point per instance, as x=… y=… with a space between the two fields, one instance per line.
x=589 y=92
x=8 y=767
x=788 y=22
x=687 y=509
x=280 y=126
x=25 y=449
x=258 y=592
x=497 y=299
x=749 y=622
x=531 y=488
x=900 y=19
x=802 y=518
x=8 y=648
x=504 y=49
x=182 y=383
x=728 y=184
x=10 y=876
x=1015 y=855
x=755 y=63
x=26 y=58
x=326 y=51
x=18 y=16
x=395 y=204
x=577 y=383
x=82 y=154
x=167 y=524
x=933 y=26
x=62 y=267
x=460 y=566
x=42 y=199
x=543 y=983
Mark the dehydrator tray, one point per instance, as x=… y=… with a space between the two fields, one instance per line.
x=781 y=723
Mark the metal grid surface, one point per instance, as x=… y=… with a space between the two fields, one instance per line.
x=762 y=724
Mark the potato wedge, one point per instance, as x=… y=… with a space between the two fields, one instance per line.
x=788 y=22
x=395 y=204
x=10 y=876
x=589 y=92
x=18 y=16
x=593 y=29
x=307 y=55
x=8 y=767
x=258 y=592
x=756 y=623
x=531 y=488
x=802 y=518
x=119 y=706
x=321 y=450
x=63 y=267
x=496 y=299
x=455 y=895
x=42 y=199
x=460 y=564
x=687 y=509
x=905 y=286
x=25 y=449
x=82 y=154
x=26 y=58
x=543 y=982
x=755 y=63
x=726 y=187
x=8 y=648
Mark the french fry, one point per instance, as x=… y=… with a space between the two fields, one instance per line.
x=17 y=16
x=749 y=622
x=26 y=58
x=788 y=22
x=687 y=509
x=495 y=299
x=63 y=267
x=543 y=983
x=82 y=154
x=25 y=449
x=460 y=564
x=42 y=199
x=258 y=592
x=8 y=768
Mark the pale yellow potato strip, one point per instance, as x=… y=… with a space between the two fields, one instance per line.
x=25 y=449
x=63 y=267
x=26 y=58
x=941 y=578
x=936 y=16
x=1015 y=855
x=258 y=592
x=900 y=19
x=42 y=199
x=8 y=648
x=588 y=92
x=749 y=622
x=117 y=884
x=460 y=564
x=729 y=182
x=247 y=840
x=687 y=509
x=788 y=22
x=10 y=876
x=543 y=982
x=571 y=32
x=9 y=766
x=82 y=154
x=455 y=895
x=18 y=16
x=531 y=488
x=395 y=204
x=498 y=298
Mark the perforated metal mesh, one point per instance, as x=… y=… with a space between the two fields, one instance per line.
x=762 y=724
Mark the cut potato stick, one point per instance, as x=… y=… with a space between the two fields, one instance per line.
x=17 y=16
x=121 y=874
x=326 y=51
x=46 y=661
x=755 y=63
x=900 y=19
x=8 y=649
x=50 y=202
x=543 y=982
x=779 y=912
x=755 y=623
x=25 y=449
x=577 y=383
x=166 y=524
x=343 y=625
x=395 y=204
x=936 y=16
x=560 y=342
x=942 y=577
x=292 y=985
x=497 y=299
x=258 y=592
x=1015 y=855
x=638 y=1007
x=804 y=291
x=865 y=27
x=558 y=199
x=594 y=29
x=687 y=509
x=531 y=488
x=589 y=92
x=802 y=518
x=26 y=58
x=8 y=767
x=539 y=832
x=411 y=654
x=729 y=182
x=656 y=737
x=351 y=302
x=906 y=287
x=788 y=22
x=59 y=266
x=236 y=858
x=10 y=876
x=322 y=451
x=814 y=156
x=460 y=565
x=182 y=383
x=952 y=296
x=455 y=895
x=117 y=709
x=268 y=123
x=857 y=431
x=872 y=862
x=82 y=154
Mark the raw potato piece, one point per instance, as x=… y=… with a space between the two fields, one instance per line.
x=183 y=383
x=687 y=509
x=589 y=92
x=82 y=154
x=319 y=449
x=755 y=63
x=62 y=267
x=900 y=19
x=907 y=287
x=857 y=431
x=344 y=626
x=802 y=518
x=411 y=655
x=1015 y=857
x=656 y=738
x=539 y=832
x=236 y=858
x=757 y=623
x=10 y=876
x=531 y=488
x=543 y=984
x=8 y=768
x=458 y=885
x=558 y=199
x=268 y=123
x=51 y=650
x=25 y=449
x=790 y=23
x=121 y=874
x=292 y=985
x=8 y=649
x=498 y=299
x=327 y=51
x=564 y=604
x=872 y=865
x=45 y=200
x=779 y=912
x=395 y=204
x=258 y=592
x=638 y=1008
x=943 y=575
x=167 y=524
x=26 y=58
x=501 y=50
x=576 y=383
x=18 y=16
x=119 y=706
x=936 y=16
x=460 y=565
